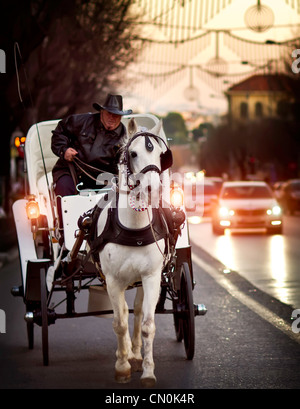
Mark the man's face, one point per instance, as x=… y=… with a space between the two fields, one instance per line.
x=110 y=121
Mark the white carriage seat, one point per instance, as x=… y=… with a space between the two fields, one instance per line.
x=39 y=156
x=38 y=140
x=44 y=184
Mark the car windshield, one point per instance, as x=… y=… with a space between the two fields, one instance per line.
x=246 y=192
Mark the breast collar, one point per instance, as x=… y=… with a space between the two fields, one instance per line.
x=115 y=232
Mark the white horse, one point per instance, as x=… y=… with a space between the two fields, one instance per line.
x=124 y=265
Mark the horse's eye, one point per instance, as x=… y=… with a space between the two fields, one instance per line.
x=133 y=154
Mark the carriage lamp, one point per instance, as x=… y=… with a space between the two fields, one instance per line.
x=176 y=197
x=32 y=208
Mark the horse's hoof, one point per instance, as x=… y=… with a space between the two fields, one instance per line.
x=148 y=382
x=136 y=365
x=123 y=377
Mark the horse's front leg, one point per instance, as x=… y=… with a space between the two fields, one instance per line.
x=151 y=286
x=120 y=326
x=136 y=358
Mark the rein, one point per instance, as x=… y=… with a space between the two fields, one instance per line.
x=167 y=255
x=77 y=161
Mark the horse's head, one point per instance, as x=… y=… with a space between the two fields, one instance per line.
x=145 y=156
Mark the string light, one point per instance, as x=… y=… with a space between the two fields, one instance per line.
x=180 y=36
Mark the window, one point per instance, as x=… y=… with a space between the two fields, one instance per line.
x=244 y=110
x=258 y=110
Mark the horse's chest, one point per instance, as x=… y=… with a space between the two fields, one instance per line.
x=120 y=259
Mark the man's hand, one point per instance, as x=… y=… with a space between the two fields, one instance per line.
x=69 y=154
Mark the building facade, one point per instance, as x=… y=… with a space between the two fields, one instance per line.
x=261 y=96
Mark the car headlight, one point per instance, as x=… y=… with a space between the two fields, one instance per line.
x=276 y=211
x=225 y=212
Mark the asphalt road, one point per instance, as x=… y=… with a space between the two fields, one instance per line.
x=237 y=346
x=271 y=262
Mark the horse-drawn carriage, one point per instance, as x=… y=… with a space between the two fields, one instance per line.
x=160 y=267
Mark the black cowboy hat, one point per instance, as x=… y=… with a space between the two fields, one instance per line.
x=113 y=104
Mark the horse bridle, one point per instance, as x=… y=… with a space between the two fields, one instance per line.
x=166 y=158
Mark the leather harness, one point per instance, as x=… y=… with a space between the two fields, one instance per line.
x=114 y=232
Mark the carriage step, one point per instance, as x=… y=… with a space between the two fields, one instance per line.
x=200 y=309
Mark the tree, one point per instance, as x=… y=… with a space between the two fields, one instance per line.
x=175 y=128
x=275 y=140
x=204 y=129
x=69 y=54
x=251 y=147
x=216 y=150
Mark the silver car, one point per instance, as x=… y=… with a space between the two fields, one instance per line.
x=246 y=204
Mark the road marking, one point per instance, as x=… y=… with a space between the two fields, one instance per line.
x=253 y=305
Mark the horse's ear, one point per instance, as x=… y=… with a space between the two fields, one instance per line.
x=156 y=129
x=132 y=127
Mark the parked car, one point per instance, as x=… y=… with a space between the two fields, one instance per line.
x=217 y=181
x=289 y=196
x=246 y=204
x=277 y=189
x=198 y=196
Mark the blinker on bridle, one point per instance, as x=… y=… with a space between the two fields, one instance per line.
x=166 y=157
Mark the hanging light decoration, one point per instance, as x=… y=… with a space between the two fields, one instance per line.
x=191 y=93
x=259 y=18
x=217 y=66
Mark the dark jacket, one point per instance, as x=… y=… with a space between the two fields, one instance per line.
x=95 y=145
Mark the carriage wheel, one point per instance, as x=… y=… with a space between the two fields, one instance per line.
x=188 y=315
x=44 y=315
x=177 y=323
x=30 y=326
x=30 y=335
